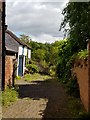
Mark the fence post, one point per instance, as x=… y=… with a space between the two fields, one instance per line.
x=88 y=49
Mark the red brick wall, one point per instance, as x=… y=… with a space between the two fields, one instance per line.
x=8 y=70
x=81 y=71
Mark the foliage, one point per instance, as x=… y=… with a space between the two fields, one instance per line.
x=44 y=64
x=52 y=70
x=82 y=54
x=45 y=54
x=9 y=96
x=65 y=53
x=64 y=66
x=40 y=51
x=39 y=54
x=77 y=16
x=32 y=68
x=73 y=87
x=25 y=38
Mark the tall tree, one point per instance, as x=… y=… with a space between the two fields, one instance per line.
x=25 y=38
x=77 y=15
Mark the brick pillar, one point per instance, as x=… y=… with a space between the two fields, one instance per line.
x=88 y=49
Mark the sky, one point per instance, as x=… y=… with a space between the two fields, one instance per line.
x=40 y=19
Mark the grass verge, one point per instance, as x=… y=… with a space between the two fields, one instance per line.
x=35 y=76
x=9 y=96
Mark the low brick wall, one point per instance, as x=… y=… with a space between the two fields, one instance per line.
x=81 y=71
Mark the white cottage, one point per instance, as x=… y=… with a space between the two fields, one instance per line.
x=23 y=51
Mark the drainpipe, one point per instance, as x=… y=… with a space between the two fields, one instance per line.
x=88 y=49
x=0 y=44
x=3 y=45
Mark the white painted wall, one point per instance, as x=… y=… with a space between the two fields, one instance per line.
x=29 y=53
x=24 y=65
x=25 y=51
x=20 y=50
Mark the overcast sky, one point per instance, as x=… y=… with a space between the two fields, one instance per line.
x=39 y=20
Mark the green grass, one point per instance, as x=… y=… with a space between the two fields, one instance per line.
x=36 y=76
x=9 y=96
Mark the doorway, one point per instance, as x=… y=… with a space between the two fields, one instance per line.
x=20 y=70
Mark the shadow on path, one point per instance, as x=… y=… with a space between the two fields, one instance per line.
x=50 y=90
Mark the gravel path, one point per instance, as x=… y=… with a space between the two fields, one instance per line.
x=38 y=99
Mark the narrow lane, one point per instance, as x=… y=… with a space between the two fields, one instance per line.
x=39 y=99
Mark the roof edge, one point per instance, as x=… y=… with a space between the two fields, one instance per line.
x=16 y=38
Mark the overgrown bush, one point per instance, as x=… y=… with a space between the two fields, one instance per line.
x=32 y=68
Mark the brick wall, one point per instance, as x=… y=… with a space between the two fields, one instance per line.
x=81 y=71
x=9 y=70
